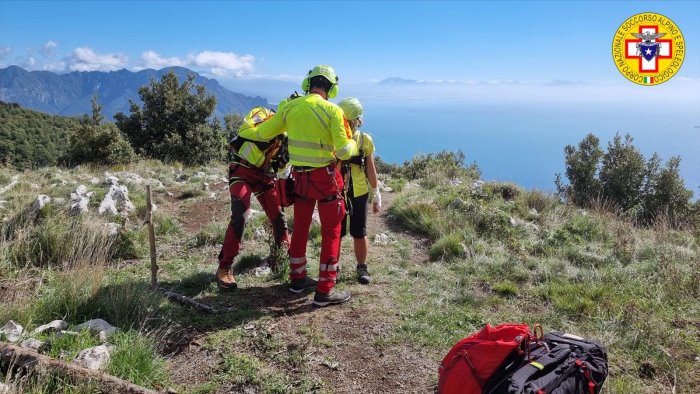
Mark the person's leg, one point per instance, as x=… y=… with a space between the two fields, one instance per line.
x=303 y=210
x=358 y=231
x=240 y=203
x=270 y=203
x=331 y=214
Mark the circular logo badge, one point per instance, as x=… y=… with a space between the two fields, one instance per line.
x=648 y=48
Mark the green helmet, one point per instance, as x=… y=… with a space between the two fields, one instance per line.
x=351 y=107
x=326 y=72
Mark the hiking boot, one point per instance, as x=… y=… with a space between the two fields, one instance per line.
x=225 y=279
x=334 y=297
x=363 y=274
x=299 y=285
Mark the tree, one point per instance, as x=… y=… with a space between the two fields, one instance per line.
x=233 y=122
x=173 y=122
x=98 y=143
x=643 y=189
x=581 y=169
x=622 y=173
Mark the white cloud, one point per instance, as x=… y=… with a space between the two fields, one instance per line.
x=85 y=59
x=222 y=64
x=59 y=66
x=277 y=77
x=152 y=59
x=4 y=51
x=29 y=63
x=49 y=49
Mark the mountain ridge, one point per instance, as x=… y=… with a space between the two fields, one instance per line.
x=70 y=94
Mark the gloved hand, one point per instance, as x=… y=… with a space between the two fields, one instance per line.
x=376 y=200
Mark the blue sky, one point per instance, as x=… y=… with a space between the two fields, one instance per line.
x=364 y=41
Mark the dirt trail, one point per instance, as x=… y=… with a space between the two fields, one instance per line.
x=356 y=355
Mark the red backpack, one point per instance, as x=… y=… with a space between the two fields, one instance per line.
x=470 y=363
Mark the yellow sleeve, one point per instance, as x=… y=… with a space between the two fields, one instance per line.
x=270 y=128
x=344 y=147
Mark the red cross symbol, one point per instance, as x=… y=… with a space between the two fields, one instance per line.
x=644 y=65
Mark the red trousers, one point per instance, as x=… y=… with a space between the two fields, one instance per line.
x=244 y=181
x=322 y=185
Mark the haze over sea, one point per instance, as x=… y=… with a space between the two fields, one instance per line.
x=524 y=143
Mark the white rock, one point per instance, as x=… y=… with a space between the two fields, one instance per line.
x=110 y=179
x=39 y=202
x=54 y=326
x=117 y=201
x=13 y=181
x=33 y=344
x=80 y=200
x=95 y=181
x=35 y=186
x=66 y=333
x=106 y=334
x=112 y=228
x=169 y=194
x=104 y=329
x=134 y=179
x=260 y=233
x=262 y=271
x=12 y=331
x=205 y=186
x=155 y=183
x=94 y=358
x=199 y=174
x=4 y=389
x=223 y=179
x=381 y=239
x=212 y=195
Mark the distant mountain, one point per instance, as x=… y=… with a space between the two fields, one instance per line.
x=397 y=81
x=69 y=94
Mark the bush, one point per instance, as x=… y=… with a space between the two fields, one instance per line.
x=101 y=144
x=621 y=179
x=447 y=247
x=505 y=190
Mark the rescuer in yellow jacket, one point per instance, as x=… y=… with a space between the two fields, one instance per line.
x=318 y=138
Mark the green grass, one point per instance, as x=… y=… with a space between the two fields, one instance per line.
x=136 y=359
x=67 y=347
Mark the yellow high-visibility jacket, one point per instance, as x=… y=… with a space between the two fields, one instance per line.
x=316 y=131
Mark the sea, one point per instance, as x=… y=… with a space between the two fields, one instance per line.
x=525 y=143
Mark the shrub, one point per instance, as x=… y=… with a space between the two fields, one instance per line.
x=505 y=190
x=99 y=144
x=449 y=246
x=420 y=217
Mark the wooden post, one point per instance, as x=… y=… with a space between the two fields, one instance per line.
x=151 y=237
